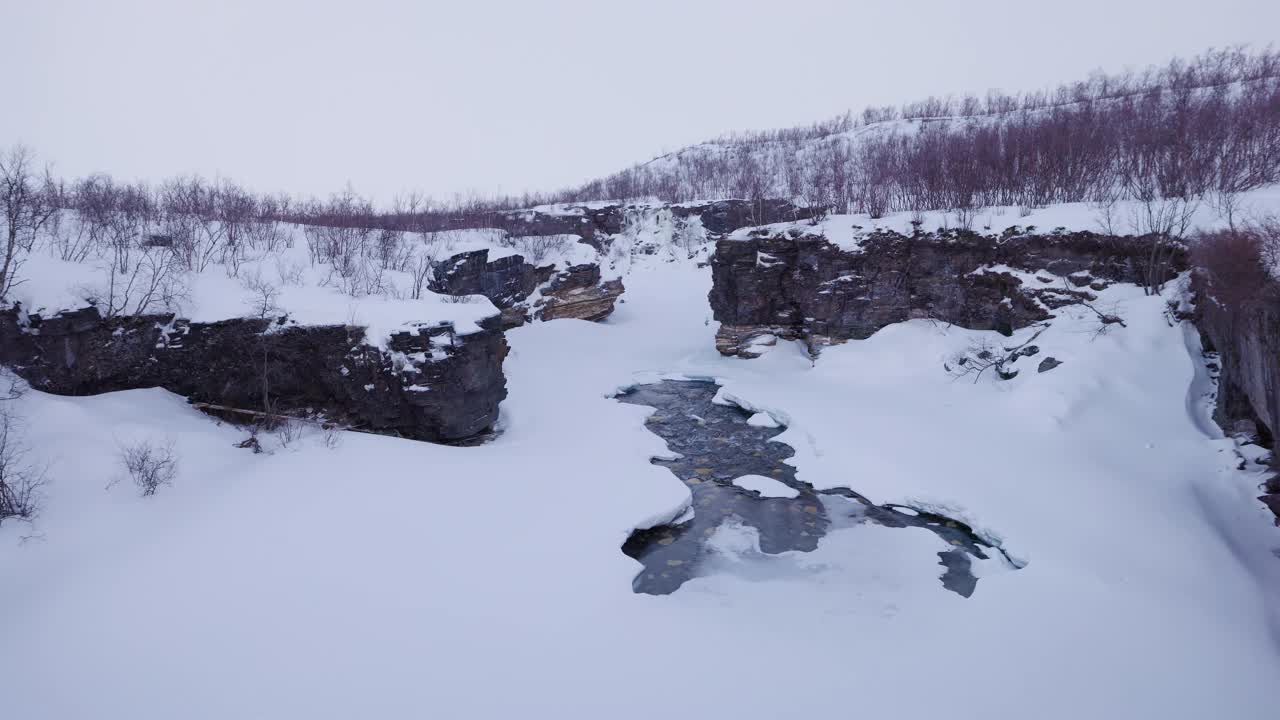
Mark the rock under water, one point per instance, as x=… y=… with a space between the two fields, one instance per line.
x=717 y=445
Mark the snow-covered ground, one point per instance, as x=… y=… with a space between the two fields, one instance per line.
x=1122 y=217
x=390 y=578
x=308 y=292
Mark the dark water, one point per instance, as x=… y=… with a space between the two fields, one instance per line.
x=717 y=445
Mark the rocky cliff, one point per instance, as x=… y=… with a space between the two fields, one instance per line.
x=1247 y=341
x=795 y=284
x=429 y=384
x=523 y=291
x=596 y=223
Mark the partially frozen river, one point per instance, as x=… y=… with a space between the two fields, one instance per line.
x=717 y=445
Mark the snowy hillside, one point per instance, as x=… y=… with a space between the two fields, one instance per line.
x=1202 y=128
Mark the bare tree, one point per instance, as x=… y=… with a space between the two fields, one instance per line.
x=429 y=251
x=26 y=204
x=263 y=295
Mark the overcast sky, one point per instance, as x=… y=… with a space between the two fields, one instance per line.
x=480 y=96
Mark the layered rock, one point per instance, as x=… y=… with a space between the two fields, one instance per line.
x=577 y=292
x=721 y=217
x=1247 y=341
x=523 y=291
x=430 y=383
x=795 y=284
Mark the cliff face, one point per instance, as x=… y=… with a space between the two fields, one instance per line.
x=596 y=223
x=795 y=285
x=1248 y=345
x=577 y=292
x=509 y=282
x=724 y=216
x=430 y=385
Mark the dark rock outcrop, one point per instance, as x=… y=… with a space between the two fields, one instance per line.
x=431 y=384
x=721 y=217
x=1248 y=346
x=577 y=292
x=797 y=285
x=595 y=223
x=1247 y=340
x=505 y=280
x=1048 y=364
x=510 y=283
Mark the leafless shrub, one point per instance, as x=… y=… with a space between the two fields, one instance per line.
x=291 y=274
x=965 y=217
x=190 y=213
x=140 y=280
x=21 y=483
x=537 y=249
x=251 y=442
x=331 y=436
x=263 y=295
x=1106 y=319
x=391 y=251
x=980 y=356
x=69 y=237
x=1231 y=266
x=1267 y=229
x=357 y=256
x=287 y=430
x=148 y=465
x=429 y=251
x=1106 y=213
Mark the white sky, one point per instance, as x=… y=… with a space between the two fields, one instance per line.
x=481 y=96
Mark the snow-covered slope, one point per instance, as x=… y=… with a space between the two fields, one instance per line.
x=387 y=578
x=286 y=280
x=1122 y=217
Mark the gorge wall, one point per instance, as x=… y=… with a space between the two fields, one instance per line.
x=429 y=384
x=795 y=284
x=1247 y=341
x=595 y=224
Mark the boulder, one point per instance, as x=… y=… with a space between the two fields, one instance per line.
x=513 y=285
x=1048 y=364
x=577 y=292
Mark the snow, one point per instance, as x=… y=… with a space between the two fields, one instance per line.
x=1125 y=217
x=762 y=419
x=389 y=578
x=766 y=486
x=307 y=294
